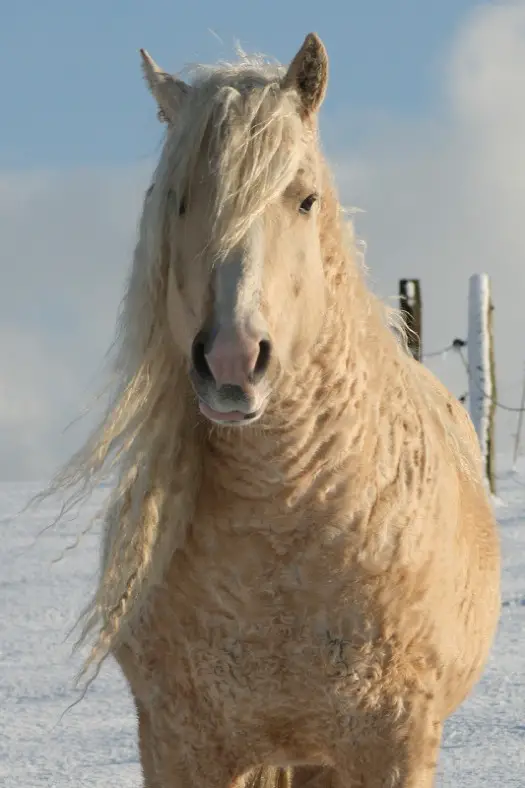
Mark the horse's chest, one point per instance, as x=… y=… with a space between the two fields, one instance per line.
x=249 y=630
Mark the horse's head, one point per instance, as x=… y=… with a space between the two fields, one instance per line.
x=241 y=185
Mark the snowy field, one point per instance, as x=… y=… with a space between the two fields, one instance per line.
x=95 y=743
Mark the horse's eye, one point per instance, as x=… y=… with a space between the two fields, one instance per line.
x=306 y=205
x=182 y=207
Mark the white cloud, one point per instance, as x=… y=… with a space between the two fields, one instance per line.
x=66 y=244
x=444 y=197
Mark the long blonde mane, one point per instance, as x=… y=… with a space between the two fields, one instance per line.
x=254 y=139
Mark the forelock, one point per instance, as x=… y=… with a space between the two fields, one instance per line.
x=245 y=132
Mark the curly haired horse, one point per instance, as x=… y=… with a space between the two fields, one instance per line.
x=300 y=569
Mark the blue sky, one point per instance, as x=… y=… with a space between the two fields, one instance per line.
x=423 y=124
x=70 y=83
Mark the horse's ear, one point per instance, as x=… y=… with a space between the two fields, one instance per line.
x=169 y=92
x=308 y=74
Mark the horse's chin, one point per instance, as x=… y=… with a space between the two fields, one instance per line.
x=233 y=418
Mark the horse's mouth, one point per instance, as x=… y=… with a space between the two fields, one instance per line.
x=232 y=417
x=229 y=405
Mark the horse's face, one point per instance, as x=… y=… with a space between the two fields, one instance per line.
x=244 y=316
x=243 y=319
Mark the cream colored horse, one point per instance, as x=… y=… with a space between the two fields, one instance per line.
x=300 y=574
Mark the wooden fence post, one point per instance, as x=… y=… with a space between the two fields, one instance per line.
x=481 y=369
x=411 y=306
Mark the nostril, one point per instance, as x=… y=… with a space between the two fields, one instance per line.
x=263 y=359
x=198 y=357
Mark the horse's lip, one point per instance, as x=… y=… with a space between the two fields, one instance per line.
x=222 y=417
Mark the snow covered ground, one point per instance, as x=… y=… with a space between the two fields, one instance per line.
x=95 y=743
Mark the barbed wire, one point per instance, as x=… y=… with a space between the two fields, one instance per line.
x=458 y=346
x=495 y=402
x=441 y=352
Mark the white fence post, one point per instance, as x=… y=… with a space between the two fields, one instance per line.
x=517 y=439
x=482 y=383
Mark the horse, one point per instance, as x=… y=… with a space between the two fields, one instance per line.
x=300 y=562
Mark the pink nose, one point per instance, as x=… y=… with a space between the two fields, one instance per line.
x=232 y=359
x=236 y=361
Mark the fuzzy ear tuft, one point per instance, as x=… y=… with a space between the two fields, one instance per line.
x=308 y=74
x=168 y=91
